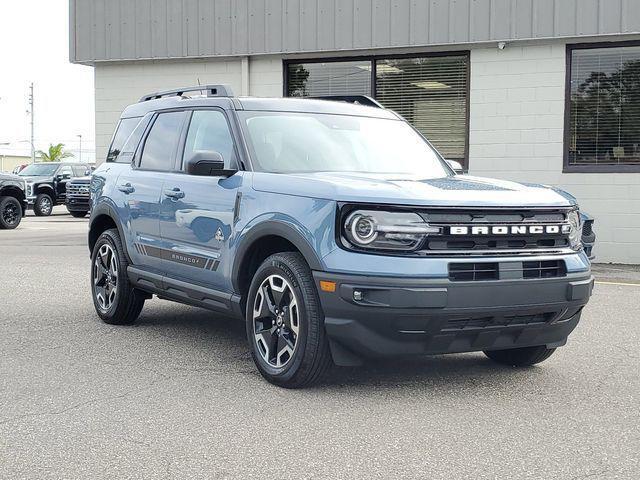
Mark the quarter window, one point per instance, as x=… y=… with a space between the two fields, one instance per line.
x=162 y=141
x=603 y=125
x=123 y=131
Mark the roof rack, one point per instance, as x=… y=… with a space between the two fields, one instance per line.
x=357 y=99
x=212 y=91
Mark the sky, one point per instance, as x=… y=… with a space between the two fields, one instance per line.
x=34 y=47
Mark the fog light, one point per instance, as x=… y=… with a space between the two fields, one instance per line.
x=357 y=295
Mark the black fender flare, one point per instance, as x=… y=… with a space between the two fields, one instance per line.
x=44 y=188
x=101 y=210
x=271 y=228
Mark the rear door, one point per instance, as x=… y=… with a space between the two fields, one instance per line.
x=196 y=218
x=140 y=187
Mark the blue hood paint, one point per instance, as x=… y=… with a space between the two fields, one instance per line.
x=459 y=190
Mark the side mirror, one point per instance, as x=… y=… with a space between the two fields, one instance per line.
x=456 y=166
x=207 y=163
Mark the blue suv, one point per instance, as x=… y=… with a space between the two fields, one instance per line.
x=333 y=229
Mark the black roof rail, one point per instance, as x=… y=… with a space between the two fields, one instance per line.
x=212 y=91
x=357 y=99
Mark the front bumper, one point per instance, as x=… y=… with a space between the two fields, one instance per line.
x=413 y=316
x=78 y=204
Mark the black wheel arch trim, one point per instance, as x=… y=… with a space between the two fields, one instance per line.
x=272 y=228
x=44 y=188
x=105 y=209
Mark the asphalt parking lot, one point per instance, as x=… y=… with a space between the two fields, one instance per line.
x=177 y=395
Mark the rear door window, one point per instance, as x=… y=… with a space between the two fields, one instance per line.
x=162 y=141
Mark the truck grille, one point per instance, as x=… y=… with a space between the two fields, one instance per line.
x=491 y=232
x=78 y=190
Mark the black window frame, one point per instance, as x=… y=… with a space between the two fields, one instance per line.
x=566 y=167
x=137 y=162
x=373 y=60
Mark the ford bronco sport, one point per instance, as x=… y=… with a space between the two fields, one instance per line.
x=334 y=230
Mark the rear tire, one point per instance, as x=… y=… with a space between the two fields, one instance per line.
x=10 y=213
x=78 y=214
x=115 y=300
x=43 y=206
x=520 y=357
x=285 y=323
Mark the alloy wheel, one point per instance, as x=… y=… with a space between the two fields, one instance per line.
x=276 y=322
x=45 y=205
x=10 y=214
x=105 y=277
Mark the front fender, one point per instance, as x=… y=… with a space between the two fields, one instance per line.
x=274 y=225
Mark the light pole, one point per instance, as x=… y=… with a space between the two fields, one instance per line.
x=30 y=111
x=80 y=149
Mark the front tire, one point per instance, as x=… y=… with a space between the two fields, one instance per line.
x=10 y=213
x=76 y=214
x=43 y=206
x=114 y=298
x=285 y=323
x=520 y=357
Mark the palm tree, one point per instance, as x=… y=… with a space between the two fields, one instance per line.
x=55 y=153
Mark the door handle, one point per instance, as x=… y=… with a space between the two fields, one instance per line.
x=126 y=188
x=174 y=193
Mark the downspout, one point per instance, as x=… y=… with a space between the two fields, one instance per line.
x=244 y=74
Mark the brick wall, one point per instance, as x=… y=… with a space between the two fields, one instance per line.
x=516 y=133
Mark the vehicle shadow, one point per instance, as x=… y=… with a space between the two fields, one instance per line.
x=224 y=339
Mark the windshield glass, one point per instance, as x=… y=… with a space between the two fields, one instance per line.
x=39 y=170
x=285 y=142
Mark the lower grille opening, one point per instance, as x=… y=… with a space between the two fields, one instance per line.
x=544 y=269
x=455 y=324
x=465 y=272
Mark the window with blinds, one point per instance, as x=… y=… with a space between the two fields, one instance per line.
x=431 y=93
x=604 y=111
x=331 y=78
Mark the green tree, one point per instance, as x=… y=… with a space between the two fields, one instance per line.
x=55 y=154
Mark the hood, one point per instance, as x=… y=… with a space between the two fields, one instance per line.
x=459 y=190
x=10 y=176
x=36 y=179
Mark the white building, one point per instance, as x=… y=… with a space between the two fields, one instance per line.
x=544 y=91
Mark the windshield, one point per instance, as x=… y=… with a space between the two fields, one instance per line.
x=285 y=142
x=39 y=170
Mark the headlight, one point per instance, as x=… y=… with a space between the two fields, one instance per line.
x=380 y=230
x=575 y=233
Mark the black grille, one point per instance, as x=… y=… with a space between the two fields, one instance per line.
x=469 y=272
x=544 y=269
x=478 y=271
x=447 y=243
x=469 y=323
x=587 y=228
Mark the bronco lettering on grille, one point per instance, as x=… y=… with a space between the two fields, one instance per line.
x=509 y=229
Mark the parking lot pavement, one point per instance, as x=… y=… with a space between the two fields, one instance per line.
x=177 y=395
